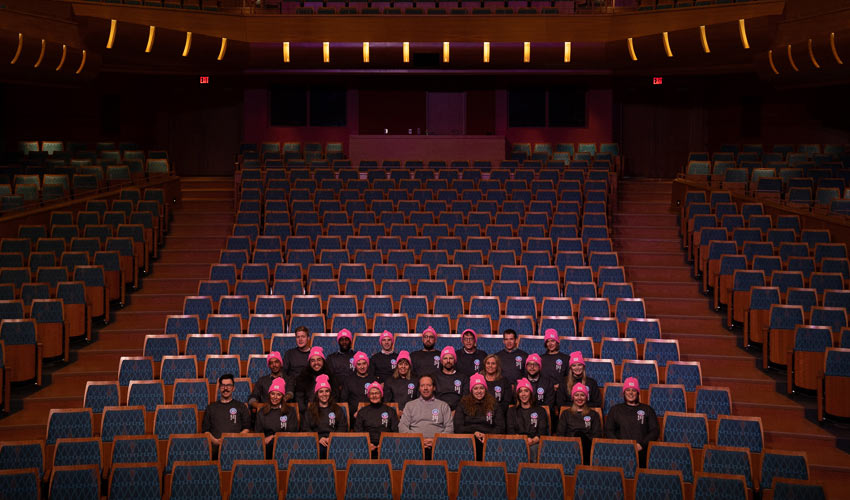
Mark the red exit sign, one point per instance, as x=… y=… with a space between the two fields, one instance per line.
x=205 y=80
x=655 y=80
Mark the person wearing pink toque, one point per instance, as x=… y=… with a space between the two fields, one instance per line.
x=470 y=359
x=554 y=363
x=543 y=391
x=324 y=415
x=479 y=414
x=427 y=359
x=403 y=386
x=306 y=380
x=355 y=388
x=277 y=416
x=576 y=375
x=260 y=393
x=449 y=383
x=581 y=421
x=632 y=419
x=383 y=362
x=341 y=362
x=376 y=417
x=527 y=417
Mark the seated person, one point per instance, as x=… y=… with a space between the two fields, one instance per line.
x=575 y=375
x=632 y=420
x=376 y=417
x=581 y=421
x=323 y=414
x=277 y=416
x=479 y=414
x=227 y=415
x=403 y=385
x=527 y=418
x=426 y=415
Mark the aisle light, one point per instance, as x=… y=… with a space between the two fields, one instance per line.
x=445 y=52
x=704 y=39
x=286 y=52
x=405 y=52
x=831 y=44
x=82 y=64
x=151 y=36
x=188 y=45
x=812 y=56
x=326 y=52
x=742 y=30
x=568 y=51
x=62 y=60
x=770 y=60
x=113 y=27
x=631 y=45
x=791 y=59
x=365 y=52
x=223 y=49
x=526 y=52
x=41 y=55
x=486 y=56
x=20 y=47
x=667 y=49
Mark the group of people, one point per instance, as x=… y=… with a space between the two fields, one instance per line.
x=446 y=391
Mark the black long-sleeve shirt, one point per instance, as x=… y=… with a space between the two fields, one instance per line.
x=383 y=365
x=329 y=420
x=450 y=388
x=375 y=419
x=470 y=363
x=355 y=390
x=502 y=391
x=530 y=422
x=543 y=391
x=401 y=390
x=221 y=418
x=425 y=362
x=554 y=366
x=306 y=382
x=341 y=364
x=513 y=364
x=638 y=423
x=491 y=422
x=277 y=420
x=586 y=428
x=294 y=361
x=564 y=398
x=260 y=391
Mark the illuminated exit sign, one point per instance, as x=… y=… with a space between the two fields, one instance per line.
x=205 y=80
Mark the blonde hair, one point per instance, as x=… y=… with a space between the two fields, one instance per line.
x=498 y=374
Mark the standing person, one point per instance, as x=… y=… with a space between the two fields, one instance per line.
x=426 y=415
x=324 y=415
x=542 y=388
x=632 y=419
x=427 y=359
x=403 y=386
x=575 y=375
x=527 y=417
x=479 y=414
x=260 y=392
x=512 y=358
x=306 y=380
x=295 y=359
x=497 y=384
x=277 y=416
x=470 y=359
x=341 y=363
x=356 y=387
x=383 y=362
x=449 y=383
x=581 y=421
x=376 y=417
x=554 y=362
x=227 y=415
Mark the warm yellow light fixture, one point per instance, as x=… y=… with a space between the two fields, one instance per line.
x=223 y=49
x=365 y=52
x=667 y=49
x=568 y=51
x=20 y=48
x=791 y=59
x=632 y=53
x=526 y=52
x=188 y=45
x=286 y=52
x=445 y=52
x=770 y=60
x=151 y=36
x=64 y=55
x=704 y=39
x=742 y=30
x=831 y=44
x=326 y=52
x=812 y=56
x=405 y=52
x=41 y=55
x=113 y=28
x=82 y=64
x=486 y=55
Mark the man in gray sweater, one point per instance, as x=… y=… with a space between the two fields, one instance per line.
x=426 y=415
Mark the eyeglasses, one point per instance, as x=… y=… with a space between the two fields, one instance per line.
x=226 y=386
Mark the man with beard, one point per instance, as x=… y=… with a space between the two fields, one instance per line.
x=260 y=394
x=542 y=389
x=306 y=380
x=341 y=363
x=295 y=359
x=512 y=358
x=449 y=384
x=470 y=359
x=383 y=362
x=426 y=360
x=355 y=388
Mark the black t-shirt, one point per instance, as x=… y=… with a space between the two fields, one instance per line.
x=383 y=365
x=306 y=382
x=513 y=364
x=450 y=388
x=341 y=364
x=488 y=422
x=355 y=390
x=294 y=361
x=531 y=422
x=221 y=418
x=470 y=363
x=425 y=362
x=564 y=398
x=554 y=366
x=638 y=423
x=375 y=419
x=502 y=391
x=542 y=391
x=260 y=391
x=277 y=420
x=328 y=420
x=401 y=390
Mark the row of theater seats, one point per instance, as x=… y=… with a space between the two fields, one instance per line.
x=371 y=167
x=733 y=445
x=274 y=151
x=52 y=287
x=669 y=4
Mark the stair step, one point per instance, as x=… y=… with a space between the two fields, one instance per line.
x=644 y=219
x=624 y=230
x=685 y=289
x=707 y=324
x=646 y=206
x=179 y=256
x=134 y=320
x=678 y=273
x=214 y=204
x=648 y=258
x=188 y=229
x=201 y=217
x=166 y=270
x=638 y=244
x=159 y=302
x=192 y=242
x=675 y=305
x=207 y=183
x=186 y=286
